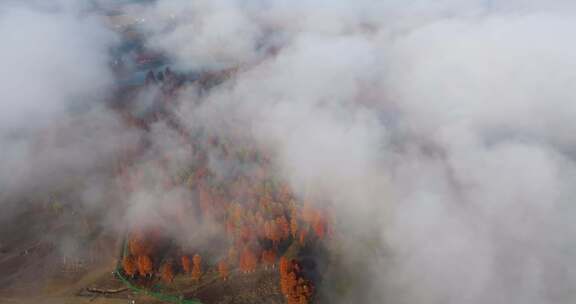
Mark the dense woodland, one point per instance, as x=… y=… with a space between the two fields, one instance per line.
x=263 y=224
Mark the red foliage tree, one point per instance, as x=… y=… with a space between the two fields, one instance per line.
x=269 y=258
x=285 y=266
x=167 y=273
x=294 y=226
x=295 y=288
x=129 y=265
x=197 y=268
x=301 y=292
x=265 y=201
x=287 y=276
x=145 y=265
x=272 y=232
x=223 y=270
x=186 y=265
x=248 y=261
x=136 y=245
x=140 y=243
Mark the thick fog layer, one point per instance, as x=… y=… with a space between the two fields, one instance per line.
x=53 y=126
x=439 y=132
